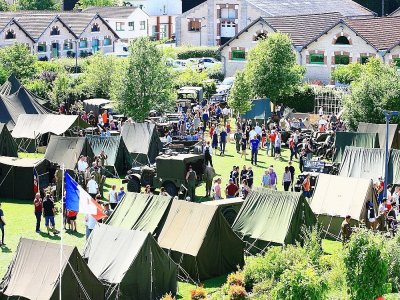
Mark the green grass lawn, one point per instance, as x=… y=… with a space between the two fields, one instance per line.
x=21 y=220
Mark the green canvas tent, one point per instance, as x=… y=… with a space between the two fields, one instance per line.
x=130 y=264
x=363 y=163
x=118 y=158
x=65 y=151
x=8 y=147
x=355 y=139
x=142 y=141
x=335 y=197
x=140 y=212
x=17 y=177
x=200 y=241
x=270 y=217
x=380 y=129
x=34 y=273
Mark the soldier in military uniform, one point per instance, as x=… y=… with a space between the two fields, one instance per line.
x=191 y=178
x=58 y=178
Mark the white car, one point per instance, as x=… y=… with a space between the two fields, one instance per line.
x=225 y=85
x=208 y=62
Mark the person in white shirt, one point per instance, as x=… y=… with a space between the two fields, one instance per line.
x=252 y=134
x=90 y=224
x=169 y=138
x=82 y=164
x=225 y=114
x=321 y=112
x=257 y=129
x=113 y=197
x=92 y=187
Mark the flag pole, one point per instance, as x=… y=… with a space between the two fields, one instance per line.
x=62 y=224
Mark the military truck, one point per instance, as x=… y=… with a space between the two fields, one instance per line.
x=169 y=172
x=189 y=96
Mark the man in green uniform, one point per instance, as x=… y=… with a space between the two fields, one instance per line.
x=58 y=177
x=346 y=229
x=209 y=174
x=238 y=138
x=191 y=178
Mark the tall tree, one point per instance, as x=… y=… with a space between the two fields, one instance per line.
x=37 y=5
x=82 y=4
x=17 y=59
x=239 y=96
x=145 y=83
x=272 y=69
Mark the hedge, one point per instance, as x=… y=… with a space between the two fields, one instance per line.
x=197 y=52
x=303 y=100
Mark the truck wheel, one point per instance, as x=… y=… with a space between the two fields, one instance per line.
x=171 y=189
x=133 y=185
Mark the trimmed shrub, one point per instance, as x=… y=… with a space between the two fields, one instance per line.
x=186 y=52
x=199 y=293
x=302 y=100
x=237 y=292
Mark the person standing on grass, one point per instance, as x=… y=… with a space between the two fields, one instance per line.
x=92 y=187
x=90 y=224
x=292 y=172
x=223 y=138
x=208 y=155
x=238 y=138
x=273 y=178
x=209 y=174
x=113 y=197
x=278 y=144
x=231 y=190
x=191 y=178
x=255 y=142
x=250 y=177
x=217 y=189
x=49 y=212
x=243 y=173
x=266 y=180
x=286 y=179
x=245 y=190
x=272 y=137
x=38 y=203
x=307 y=187
x=121 y=194
x=2 y=224
x=243 y=144
x=214 y=143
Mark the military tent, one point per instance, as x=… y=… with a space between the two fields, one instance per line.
x=363 y=163
x=65 y=151
x=380 y=129
x=394 y=166
x=270 y=217
x=140 y=212
x=30 y=129
x=95 y=105
x=34 y=273
x=17 y=177
x=130 y=264
x=118 y=158
x=260 y=110
x=142 y=141
x=355 y=139
x=335 y=197
x=8 y=147
x=200 y=241
x=11 y=86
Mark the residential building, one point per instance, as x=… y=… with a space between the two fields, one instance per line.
x=163 y=14
x=321 y=42
x=214 y=22
x=57 y=34
x=128 y=21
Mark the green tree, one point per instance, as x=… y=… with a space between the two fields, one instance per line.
x=347 y=74
x=82 y=4
x=376 y=89
x=62 y=88
x=4 y=5
x=366 y=265
x=145 y=83
x=37 y=5
x=239 y=96
x=17 y=59
x=272 y=69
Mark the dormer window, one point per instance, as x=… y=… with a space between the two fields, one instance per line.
x=342 y=40
x=95 y=27
x=260 y=36
x=55 y=31
x=10 y=35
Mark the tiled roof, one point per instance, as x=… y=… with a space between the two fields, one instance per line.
x=381 y=33
x=116 y=12
x=77 y=21
x=302 y=7
x=303 y=29
x=40 y=21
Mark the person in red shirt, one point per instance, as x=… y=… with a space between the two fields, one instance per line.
x=272 y=137
x=71 y=219
x=231 y=190
x=38 y=203
x=104 y=116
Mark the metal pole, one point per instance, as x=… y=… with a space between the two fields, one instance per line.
x=61 y=228
x=76 y=56
x=200 y=34
x=383 y=8
x=387 y=116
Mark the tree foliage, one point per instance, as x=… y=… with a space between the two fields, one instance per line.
x=82 y=4
x=272 y=69
x=37 y=5
x=347 y=74
x=17 y=59
x=376 y=89
x=145 y=83
x=239 y=96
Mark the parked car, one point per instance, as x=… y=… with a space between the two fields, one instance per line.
x=225 y=85
x=208 y=62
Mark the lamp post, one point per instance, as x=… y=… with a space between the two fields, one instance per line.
x=201 y=26
x=388 y=116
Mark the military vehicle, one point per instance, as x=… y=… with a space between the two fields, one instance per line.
x=169 y=172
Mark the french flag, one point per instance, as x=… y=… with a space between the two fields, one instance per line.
x=77 y=199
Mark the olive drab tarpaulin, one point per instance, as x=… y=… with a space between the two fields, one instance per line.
x=95 y=105
x=335 y=197
x=65 y=151
x=35 y=271
x=176 y=166
x=380 y=129
x=8 y=147
x=142 y=141
x=16 y=177
x=130 y=264
x=200 y=241
x=140 y=212
x=118 y=157
x=15 y=100
x=260 y=110
x=355 y=139
x=270 y=217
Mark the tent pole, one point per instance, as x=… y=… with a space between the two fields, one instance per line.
x=61 y=225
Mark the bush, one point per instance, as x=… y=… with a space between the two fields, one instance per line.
x=366 y=265
x=236 y=278
x=237 y=292
x=299 y=282
x=39 y=88
x=302 y=100
x=168 y=297
x=393 y=252
x=215 y=72
x=313 y=243
x=199 y=293
x=186 y=52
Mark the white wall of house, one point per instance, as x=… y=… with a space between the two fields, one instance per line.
x=159 y=7
x=20 y=37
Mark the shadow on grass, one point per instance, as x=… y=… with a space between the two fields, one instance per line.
x=75 y=233
x=50 y=236
x=5 y=249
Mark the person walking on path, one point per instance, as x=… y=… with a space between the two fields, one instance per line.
x=223 y=138
x=2 y=224
x=254 y=150
x=286 y=179
x=214 y=143
x=113 y=197
x=191 y=178
x=208 y=155
x=38 y=203
x=238 y=139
